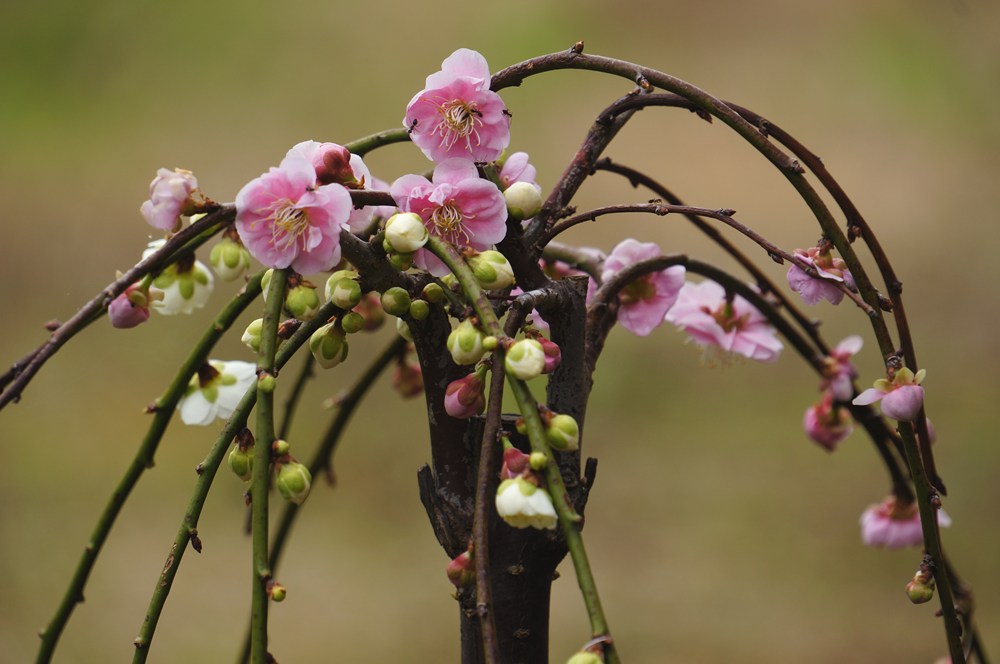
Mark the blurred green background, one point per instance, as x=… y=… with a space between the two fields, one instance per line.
x=718 y=532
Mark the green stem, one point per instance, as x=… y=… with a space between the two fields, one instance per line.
x=569 y=520
x=321 y=459
x=362 y=146
x=470 y=286
x=163 y=410
x=932 y=541
x=207 y=472
x=262 y=466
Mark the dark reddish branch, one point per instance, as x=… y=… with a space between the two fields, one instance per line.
x=602 y=314
x=764 y=283
x=22 y=374
x=857 y=226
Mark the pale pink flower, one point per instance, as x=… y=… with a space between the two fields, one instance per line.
x=711 y=320
x=644 y=301
x=284 y=219
x=902 y=398
x=895 y=525
x=832 y=270
x=457 y=206
x=839 y=373
x=171 y=194
x=464 y=397
x=827 y=423
x=516 y=168
x=456 y=114
x=335 y=164
x=129 y=309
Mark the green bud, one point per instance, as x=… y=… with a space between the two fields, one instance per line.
x=241 y=463
x=345 y=293
x=401 y=262
x=921 y=588
x=277 y=592
x=525 y=359
x=352 y=322
x=521 y=427
x=265 y=283
x=523 y=199
x=229 y=259
x=584 y=657
x=433 y=293
x=465 y=343
x=265 y=383
x=251 y=337
x=280 y=447
x=492 y=270
x=419 y=309
x=396 y=301
x=490 y=342
x=328 y=345
x=332 y=280
x=538 y=461
x=302 y=302
x=294 y=482
x=563 y=433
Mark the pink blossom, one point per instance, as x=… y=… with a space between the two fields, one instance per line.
x=827 y=423
x=335 y=164
x=516 y=168
x=644 y=301
x=832 y=270
x=464 y=397
x=170 y=195
x=902 y=398
x=894 y=525
x=284 y=219
x=129 y=309
x=515 y=464
x=712 y=321
x=839 y=373
x=458 y=207
x=456 y=114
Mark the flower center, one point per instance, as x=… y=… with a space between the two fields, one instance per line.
x=727 y=319
x=290 y=223
x=639 y=290
x=459 y=121
x=447 y=220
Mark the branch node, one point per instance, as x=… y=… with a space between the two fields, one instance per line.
x=577 y=48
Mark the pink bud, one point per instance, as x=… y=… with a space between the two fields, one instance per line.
x=408 y=379
x=333 y=164
x=129 y=309
x=515 y=462
x=464 y=397
x=461 y=570
x=826 y=423
x=903 y=403
x=553 y=356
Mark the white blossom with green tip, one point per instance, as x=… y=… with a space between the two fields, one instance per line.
x=218 y=396
x=524 y=505
x=525 y=359
x=183 y=291
x=465 y=343
x=229 y=259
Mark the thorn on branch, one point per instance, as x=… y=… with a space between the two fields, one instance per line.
x=726 y=212
x=795 y=167
x=776 y=258
x=195 y=540
x=643 y=82
x=52 y=325
x=884 y=303
x=896 y=287
x=854 y=232
x=704 y=115
x=764 y=127
x=577 y=48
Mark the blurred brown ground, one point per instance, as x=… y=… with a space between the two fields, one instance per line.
x=717 y=531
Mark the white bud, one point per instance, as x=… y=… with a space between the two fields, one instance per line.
x=525 y=359
x=465 y=343
x=406 y=232
x=524 y=200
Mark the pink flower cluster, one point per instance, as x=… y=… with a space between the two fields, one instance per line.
x=456 y=205
x=171 y=194
x=644 y=302
x=832 y=271
x=287 y=218
x=828 y=422
x=456 y=114
x=728 y=323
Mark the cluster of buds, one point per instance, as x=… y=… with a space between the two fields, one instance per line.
x=521 y=501
x=405 y=234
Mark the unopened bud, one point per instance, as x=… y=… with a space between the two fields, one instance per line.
x=525 y=359
x=490 y=342
x=396 y=301
x=276 y=592
x=465 y=343
x=328 y=345
x=251 y=337
x=433 y=293
x=419 y=309
x=294 y=482
x=403 y=330
x=352 y=322
x=343 y=289
x=241 y=463
x=461 y=571
x=563 y=433
x=401 y=262
x=280 y=447
x=229 y=259
x=584 y=656
x=920 y=589
x=405 y=232
x=265 y=383
x=523 y=199
x=538 y=461
x=302 y=302
x=492 y=270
